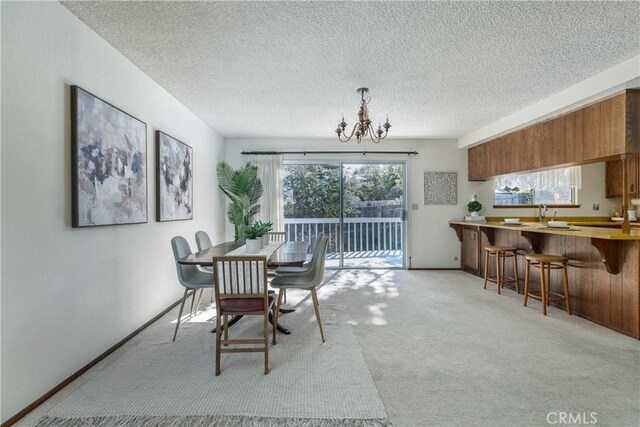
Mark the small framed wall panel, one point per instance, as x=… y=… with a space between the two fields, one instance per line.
x=440 y=188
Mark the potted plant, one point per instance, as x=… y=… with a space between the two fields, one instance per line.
x=474 y=206
x=264 y=227
x=243 y=188
x=253 y=241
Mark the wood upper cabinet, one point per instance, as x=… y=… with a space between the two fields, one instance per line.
x=568 y=122
x=598 y=131
x=618 y=124
x=552 y=142
x=613 y=177
x=477 y=163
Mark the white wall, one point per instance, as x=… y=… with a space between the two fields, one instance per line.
x=69 y=294
x=431 y=243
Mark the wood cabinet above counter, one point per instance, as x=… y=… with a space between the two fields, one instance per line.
x=596 y=132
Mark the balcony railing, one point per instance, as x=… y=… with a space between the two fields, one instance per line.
x=360 y=234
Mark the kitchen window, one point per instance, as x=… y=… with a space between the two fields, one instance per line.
x=552 y=187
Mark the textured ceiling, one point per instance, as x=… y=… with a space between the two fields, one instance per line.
x=439 y=69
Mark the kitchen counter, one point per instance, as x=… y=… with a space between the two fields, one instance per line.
x=604 y=265
x=579 y=230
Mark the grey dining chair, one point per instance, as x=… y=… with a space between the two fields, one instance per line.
x=203 y=241
x=189 y=276
x=308 y=280
x=286 y=271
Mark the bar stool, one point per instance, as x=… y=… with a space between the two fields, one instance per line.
x=501 y=253
x=546 y=263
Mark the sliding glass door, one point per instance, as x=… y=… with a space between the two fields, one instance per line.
x=359 y=206
x=373 y=231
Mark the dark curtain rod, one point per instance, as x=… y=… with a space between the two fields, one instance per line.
x=364 y=153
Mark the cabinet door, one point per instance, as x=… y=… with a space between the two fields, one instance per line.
x=569 y=138
x=613 y=177
x=553 y=142
x=634 y=176
x=618 y=124
x=592 y=132
x=470 y=248
x=477 y=167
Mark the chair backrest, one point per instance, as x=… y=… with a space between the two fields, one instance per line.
x=240 y=276
x=314 y=242
x=316 y=271
x=203 y=241
x=182 y=249
x=277 y=236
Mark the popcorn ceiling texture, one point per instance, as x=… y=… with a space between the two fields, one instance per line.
x=290 y=69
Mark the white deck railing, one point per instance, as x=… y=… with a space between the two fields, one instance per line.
x=360 y=234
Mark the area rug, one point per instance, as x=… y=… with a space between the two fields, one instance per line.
x=158 y=382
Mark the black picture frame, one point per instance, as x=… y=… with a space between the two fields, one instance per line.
x=174 y=179
x=108 y=163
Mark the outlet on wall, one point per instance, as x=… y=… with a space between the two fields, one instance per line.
x=596 y=206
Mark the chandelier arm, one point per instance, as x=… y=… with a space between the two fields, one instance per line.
x=374 y=139
x=353 y=131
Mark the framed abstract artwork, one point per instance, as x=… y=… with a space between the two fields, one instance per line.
x=174 y=179
x=440 y=188
x=108 y=164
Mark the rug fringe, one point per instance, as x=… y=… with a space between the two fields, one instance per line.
x=209 y=421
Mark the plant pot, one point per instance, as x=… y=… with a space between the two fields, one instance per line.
x=474 y=213
x=253 y=246
x=265 y=240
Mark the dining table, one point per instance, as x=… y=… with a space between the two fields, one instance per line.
x=286 y=254
x=280 y=254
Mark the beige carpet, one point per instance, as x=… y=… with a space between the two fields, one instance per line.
x=160 y=382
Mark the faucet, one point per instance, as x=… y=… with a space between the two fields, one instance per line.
x=541 y=212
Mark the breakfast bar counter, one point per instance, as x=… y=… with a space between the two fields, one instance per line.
x=604 y=266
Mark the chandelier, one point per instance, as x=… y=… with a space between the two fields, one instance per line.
x=363 y=128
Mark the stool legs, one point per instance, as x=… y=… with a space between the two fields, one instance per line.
x=486 y=268
x=500 y=267
x=545 y=285
x=543 y=288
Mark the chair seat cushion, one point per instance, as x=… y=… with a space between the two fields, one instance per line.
x=242 y=305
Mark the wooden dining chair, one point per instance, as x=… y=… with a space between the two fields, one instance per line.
x=189 y=276
x=308 y=280
x=241 y=289
x=277 y=236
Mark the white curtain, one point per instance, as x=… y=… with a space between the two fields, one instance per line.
x=564 y=177
x=272 y=200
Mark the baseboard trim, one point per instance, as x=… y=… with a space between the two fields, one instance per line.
x=11 y=421
x=436 y=269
